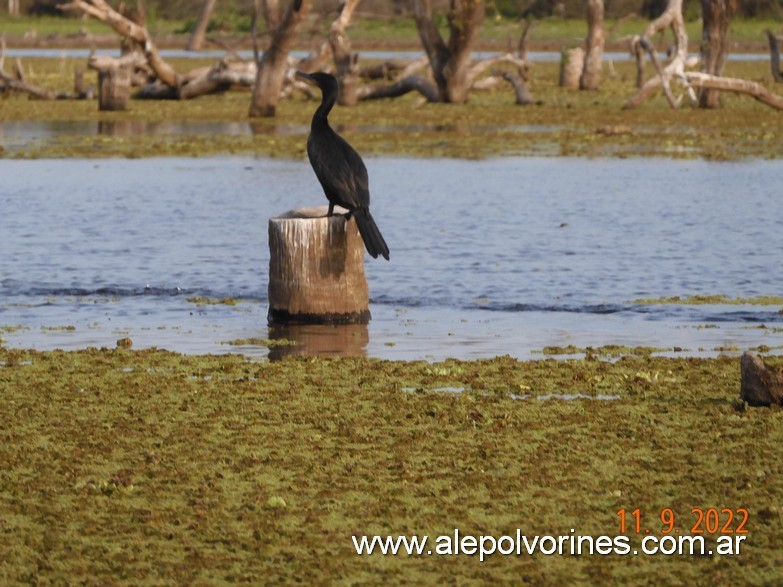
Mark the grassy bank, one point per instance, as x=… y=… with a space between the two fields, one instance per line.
x=150 y=467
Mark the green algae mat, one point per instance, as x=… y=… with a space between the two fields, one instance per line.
x=153 y=468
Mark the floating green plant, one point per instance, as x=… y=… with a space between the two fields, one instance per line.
x=714 y=299
x=202 y=301
x=267 y=342
x=122 y=466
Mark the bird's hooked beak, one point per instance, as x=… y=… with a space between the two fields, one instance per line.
x=306 y=77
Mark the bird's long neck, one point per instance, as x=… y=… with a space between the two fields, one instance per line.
x=327 y=103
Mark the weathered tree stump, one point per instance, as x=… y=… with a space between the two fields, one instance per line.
x=760 y=385
x=571 y=65
x=114 y=88
x=316 y=269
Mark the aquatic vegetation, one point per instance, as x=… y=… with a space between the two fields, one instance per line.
x=202 y=301
x=611 y=350
x=153 y=467
x=714 y=299
x=12 y=328
x=267 y=342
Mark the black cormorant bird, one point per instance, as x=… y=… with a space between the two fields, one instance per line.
x=339 y=167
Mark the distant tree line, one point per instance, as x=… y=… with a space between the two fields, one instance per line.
x=236 y=14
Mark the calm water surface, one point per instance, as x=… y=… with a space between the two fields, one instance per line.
x=489 y=257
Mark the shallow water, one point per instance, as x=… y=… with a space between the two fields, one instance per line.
x=18 y=136
x=489 y=257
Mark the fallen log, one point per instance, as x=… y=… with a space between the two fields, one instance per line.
x=412 y=83
x=739 y=86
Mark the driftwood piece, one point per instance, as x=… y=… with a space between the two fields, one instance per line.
x=316 y=269
x=760 y=385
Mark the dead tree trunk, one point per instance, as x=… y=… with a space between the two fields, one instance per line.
x=346 y=63
x=572 y=63
x=271 y=69
x=411 y=83
x=716 y=15
x=774 y=57
x=114 y=78
x=594 y=56
x=13 y=7
x=450 y=61
x=197 y=37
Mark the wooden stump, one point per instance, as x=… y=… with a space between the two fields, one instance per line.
x=114 y=88
x=760 y=385
x=316 y=269
x=571 y=66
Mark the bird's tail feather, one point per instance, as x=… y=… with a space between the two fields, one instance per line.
x=373 y=240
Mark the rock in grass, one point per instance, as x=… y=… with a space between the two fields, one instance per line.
x=760 y=385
